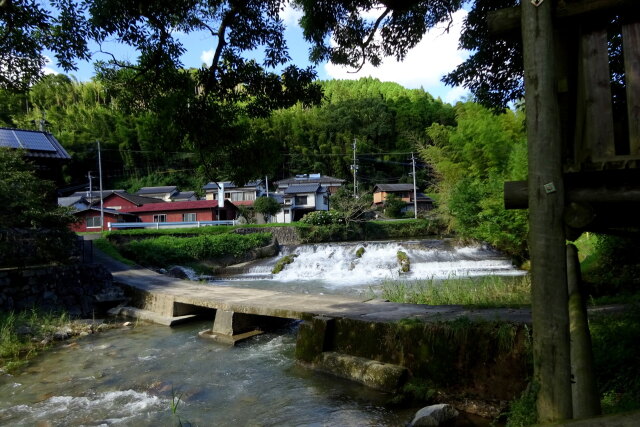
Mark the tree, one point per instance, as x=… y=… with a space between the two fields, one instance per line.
x=350 y=208
x=267 y=206
x=343 y=32
x=29 y=215
x=393 y=206
x=27 y=28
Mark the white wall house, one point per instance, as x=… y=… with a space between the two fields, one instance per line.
x=248 y=192
x=300 y=199
x=329 y=183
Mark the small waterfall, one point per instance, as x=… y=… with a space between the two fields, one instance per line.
x=336 y=264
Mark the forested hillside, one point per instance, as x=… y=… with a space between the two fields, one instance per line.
x=140 y=148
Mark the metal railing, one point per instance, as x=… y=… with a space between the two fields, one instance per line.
x=159 y=225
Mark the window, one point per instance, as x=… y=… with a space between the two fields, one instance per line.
x=301 y=200
x=236 y=197
x=93 y=222
x=189 y=217
x=160 y=218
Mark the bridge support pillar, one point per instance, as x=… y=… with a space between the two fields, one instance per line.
x=230 y=327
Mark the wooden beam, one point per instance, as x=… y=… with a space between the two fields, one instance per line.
x=508 y=20
x=549 y=302
x=598 y=136
x=631 y=49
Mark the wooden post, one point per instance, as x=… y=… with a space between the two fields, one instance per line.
x=586 y=400
x=552 y=369
x=631 y=49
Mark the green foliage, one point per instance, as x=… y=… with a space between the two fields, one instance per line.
x=322 y=218
x=167 y=250
x=614 y=265
x=350 y=208
x=217 y=229
x=283 y=262
x=489 y=291
x=393 y=206
x=472 y=161
x=109 y=249
x=33 y=229
x=267 y=206
x=24 y=334
x=370 y=230
x=359 y=252
x=403 y=261
x=522 y=411
x=616 y=352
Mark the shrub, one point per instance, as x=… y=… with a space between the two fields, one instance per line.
x=323 y=218
x=165 y=250
x=393 y=206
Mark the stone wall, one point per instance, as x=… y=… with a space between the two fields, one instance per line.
x=284 y=235
x=79 y=289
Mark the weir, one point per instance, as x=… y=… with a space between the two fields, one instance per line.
x=377 y=343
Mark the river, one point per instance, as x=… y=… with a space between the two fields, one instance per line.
x=133 y=376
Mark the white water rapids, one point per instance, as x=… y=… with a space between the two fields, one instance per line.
x=335 y=267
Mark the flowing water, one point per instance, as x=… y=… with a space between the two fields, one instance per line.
x=130 y=377
x=334 y=268
x=133 y=376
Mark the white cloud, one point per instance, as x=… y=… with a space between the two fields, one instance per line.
x=48 y=70
x=290 y=16
x=456 y=94
x=207 y=56
x=435 y=55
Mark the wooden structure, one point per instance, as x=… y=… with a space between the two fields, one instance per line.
x=582 y=86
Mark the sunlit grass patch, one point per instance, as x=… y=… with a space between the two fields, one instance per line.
x=488 y=291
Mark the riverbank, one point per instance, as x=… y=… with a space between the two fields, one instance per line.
x=25 y=334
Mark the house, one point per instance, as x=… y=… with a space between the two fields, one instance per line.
x=300 y=199
x=163 y=193
x=245 y=193
x=184 y=196
x=89 y=218
x=404 y=192
x=78 y=203
x=189 y=211
x=115 y=199
x=42 y=148
x=329 y=183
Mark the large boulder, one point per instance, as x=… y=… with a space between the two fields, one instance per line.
x=434 y=415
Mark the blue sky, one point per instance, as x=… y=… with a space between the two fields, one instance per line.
x=423 y=67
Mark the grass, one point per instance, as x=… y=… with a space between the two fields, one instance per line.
x=23 y=335
x=282 y=262
x=489 y=291
x=108 y=248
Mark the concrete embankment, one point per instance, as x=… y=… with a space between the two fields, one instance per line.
x=482 y=353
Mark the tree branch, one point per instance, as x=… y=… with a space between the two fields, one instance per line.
x=369 y=39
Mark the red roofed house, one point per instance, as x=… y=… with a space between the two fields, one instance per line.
x=195 y=210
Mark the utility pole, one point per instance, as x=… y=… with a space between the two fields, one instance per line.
x=415 y=191
x=266 y=180
x=90 y=192
x=101 y=194
x=354 y=168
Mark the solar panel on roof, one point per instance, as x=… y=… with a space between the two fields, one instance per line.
x=34 y=141
x=8 y=139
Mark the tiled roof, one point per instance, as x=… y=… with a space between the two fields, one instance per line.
x=105 y=210
x=311 y=178
x=178 y=206
x=71 y=200
x=156 y=190
x=393 y=187
x=229 y=185
x=183 y=195
x=135 y=199
x=35 y=143
x=302 y=188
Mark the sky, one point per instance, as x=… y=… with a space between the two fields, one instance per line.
x=436 y=55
